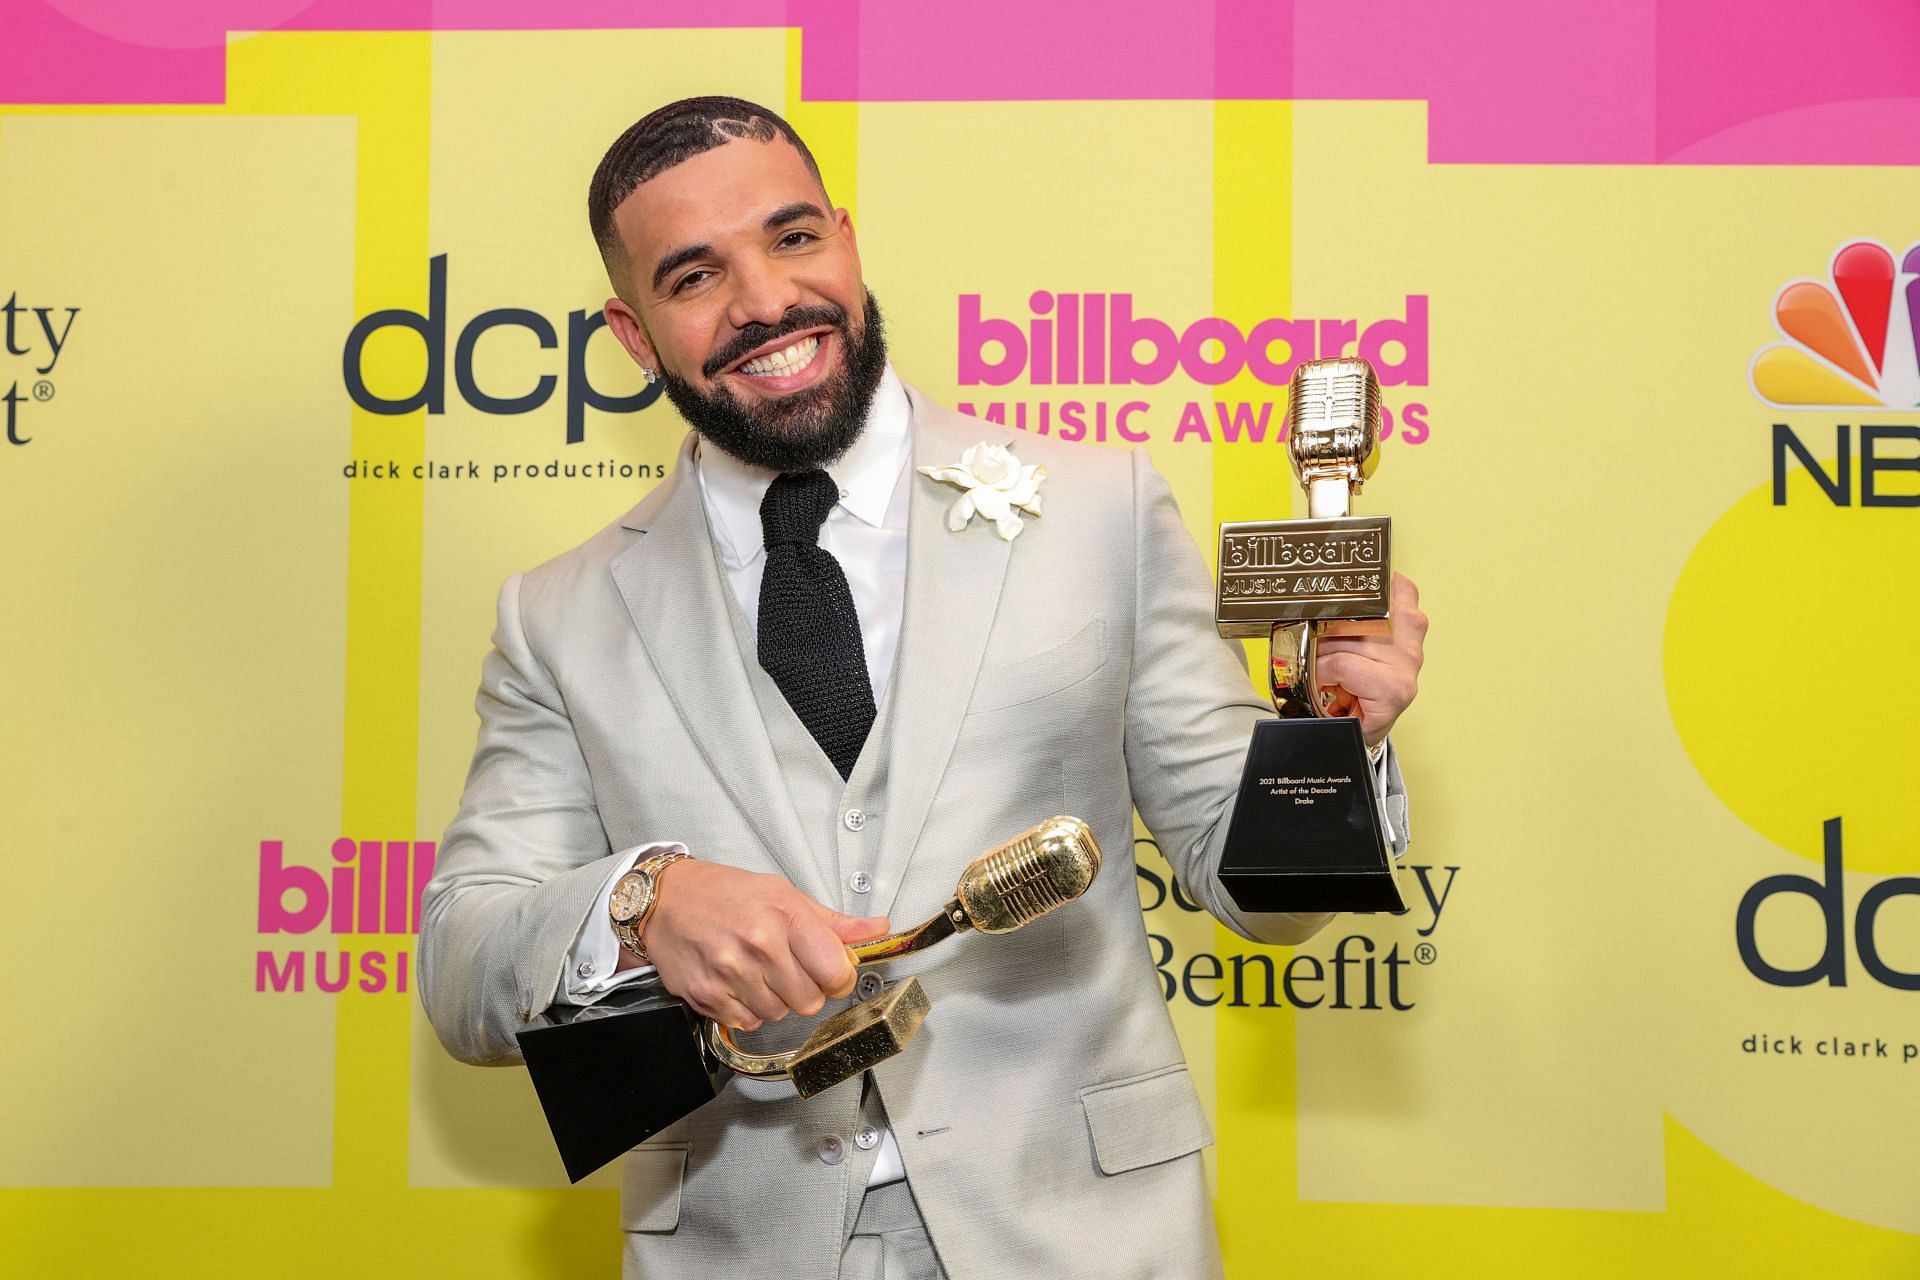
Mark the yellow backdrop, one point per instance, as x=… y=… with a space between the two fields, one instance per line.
x=242 y=629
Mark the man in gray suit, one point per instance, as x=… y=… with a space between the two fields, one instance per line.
x=800 y=686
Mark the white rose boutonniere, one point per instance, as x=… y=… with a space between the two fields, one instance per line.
x=996 y=486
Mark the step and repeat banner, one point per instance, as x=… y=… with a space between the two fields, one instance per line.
x=303 y=355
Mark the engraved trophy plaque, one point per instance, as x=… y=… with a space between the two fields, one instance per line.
x=1306 y=832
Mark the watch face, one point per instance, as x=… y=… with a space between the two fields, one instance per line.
x=630 y=895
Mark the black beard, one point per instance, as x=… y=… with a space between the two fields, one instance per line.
x=800 y=432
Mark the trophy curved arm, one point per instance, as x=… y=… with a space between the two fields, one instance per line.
x=764 y=1066
x=843 y=1046
x=1290 y=670
x=951 y=920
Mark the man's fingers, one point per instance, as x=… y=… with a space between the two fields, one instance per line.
x=1380 y=671
x=726 y=1011
x=1366 y=678
x=761 y=1001
x=850 y=928
x=1407 y=655
x=746 y=948
x=1378 y=628
x=1356 y=644
x=1358 y=672
x=824 y=957
x=790 y=983
x=857 y=928
x=848 y=980
x=1406 y=605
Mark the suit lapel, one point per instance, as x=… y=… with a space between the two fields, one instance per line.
x=673 y=591
x=952 y=593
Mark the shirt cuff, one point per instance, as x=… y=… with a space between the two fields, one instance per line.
x=593 y=963
x=1387 y=806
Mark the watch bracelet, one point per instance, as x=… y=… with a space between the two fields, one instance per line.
x=629 y=934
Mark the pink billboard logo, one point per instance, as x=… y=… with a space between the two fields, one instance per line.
x=1850 y=338
x=374 y=887
x=1092 y=339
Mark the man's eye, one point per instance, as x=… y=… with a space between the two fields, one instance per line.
x=793 y=239
x=688 y=280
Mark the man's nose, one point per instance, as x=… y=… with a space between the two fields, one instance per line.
x=762 y=294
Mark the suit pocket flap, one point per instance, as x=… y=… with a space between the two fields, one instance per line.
x=1028 y=679
x=650 y=1186
x=1145 y=1119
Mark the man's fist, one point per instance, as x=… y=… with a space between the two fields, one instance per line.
x=744 y=948
x=1382 y=672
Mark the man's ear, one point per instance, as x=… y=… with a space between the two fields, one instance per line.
x=626 y=326
x=844 y=221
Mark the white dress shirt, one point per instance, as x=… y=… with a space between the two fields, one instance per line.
x=867 y=533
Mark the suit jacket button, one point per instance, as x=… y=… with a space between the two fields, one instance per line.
x=869 y=986
x=831 y=1149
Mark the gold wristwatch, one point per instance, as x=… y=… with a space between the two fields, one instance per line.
x=634 y=895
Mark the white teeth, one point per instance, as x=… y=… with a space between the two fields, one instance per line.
x=788 y=360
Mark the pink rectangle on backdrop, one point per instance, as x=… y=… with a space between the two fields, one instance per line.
x=1507 y=81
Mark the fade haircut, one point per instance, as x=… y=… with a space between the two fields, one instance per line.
x=662 y=139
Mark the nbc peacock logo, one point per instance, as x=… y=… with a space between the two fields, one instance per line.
x=1851 y=338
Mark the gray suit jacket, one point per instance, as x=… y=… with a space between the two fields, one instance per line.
x=1044 y=1112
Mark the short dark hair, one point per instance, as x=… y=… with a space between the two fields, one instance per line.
x=664 y=138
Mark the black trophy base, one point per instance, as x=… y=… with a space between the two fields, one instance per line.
x=1305 y=833
x=616 y=1073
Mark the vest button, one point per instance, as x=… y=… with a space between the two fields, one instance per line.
x=867 y=1139
x=869 y=986
x=856 y=819
x=860 y=882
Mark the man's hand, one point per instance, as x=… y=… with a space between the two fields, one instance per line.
x=744 y=948
x=1382 y=672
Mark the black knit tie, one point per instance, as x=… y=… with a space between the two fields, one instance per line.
x=809 y=632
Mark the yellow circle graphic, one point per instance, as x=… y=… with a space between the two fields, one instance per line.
x=1792 y=664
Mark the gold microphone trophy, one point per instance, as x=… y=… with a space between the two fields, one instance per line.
x=1306 y=833
x=613 y=1074
x=1034 y=874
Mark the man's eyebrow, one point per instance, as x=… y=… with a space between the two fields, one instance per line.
x=792 y=213
x=677 y=259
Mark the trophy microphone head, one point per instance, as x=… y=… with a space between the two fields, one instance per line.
x=1038 y=871
x=1333 y=408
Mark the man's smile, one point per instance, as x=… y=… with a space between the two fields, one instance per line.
x=789 y=359
x=788 y=363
